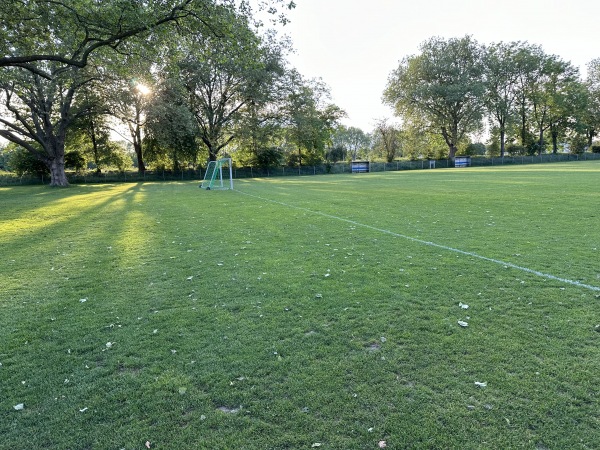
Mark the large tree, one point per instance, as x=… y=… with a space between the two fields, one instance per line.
x=90 y=134
x=39 y=111
x=442 y=86
x=127 y=102
x=567 y=101
x=309 y=119
x=501 y=80
x=227 y=79
x=68 y=32
x=352 y=140
x=387 y=139
x=171 y=129
x=529 y=63
x=50 y=47
x=591 y=120
x=546 y=95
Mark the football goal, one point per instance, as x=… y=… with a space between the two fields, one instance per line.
x=218 y=175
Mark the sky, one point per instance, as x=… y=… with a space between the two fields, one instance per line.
x=353 y=45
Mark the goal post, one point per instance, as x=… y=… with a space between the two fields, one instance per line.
x=218 y=175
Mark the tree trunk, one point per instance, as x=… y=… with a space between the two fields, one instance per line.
x=212 y=155
x=58 y=177
x=450 y=143
x=95 y=147
x=590 y=137
x=451 y=151
x=135 y=130
x=523 y=129
x=137 y=147
x=55 y=158
x=502 y=141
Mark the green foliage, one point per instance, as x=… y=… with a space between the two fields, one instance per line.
x=117 y=157
x=335 y=154
x=170 y=127
x=493 y=148
x=353 y=141
x=304 y=157
x=263 y=157
x=3 y=158
x=578 y=144
x=51 y=50
x=227 y=80
x=387 y=140
x=475 y=148
x=536 y=148
x=310 y=121
x=75 y=160
x=592 y=113
x=418 y=144
x=502 y=76
x=73 y=35
x=527 y=95
x=21 y=161
x=441 y=87
x=268 y=157
x=156 y=158
x=558 y=97
x=89 y=139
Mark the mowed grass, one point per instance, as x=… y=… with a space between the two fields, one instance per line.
x=296 y=313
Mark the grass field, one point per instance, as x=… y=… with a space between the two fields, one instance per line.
x=298 y=313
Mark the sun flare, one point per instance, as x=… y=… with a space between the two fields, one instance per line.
x=142 y=89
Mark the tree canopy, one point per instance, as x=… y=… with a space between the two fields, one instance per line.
x=219 y=82
x=452 y=85
x=52 y=49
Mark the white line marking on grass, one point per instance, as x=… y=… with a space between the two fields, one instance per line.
x=433 y=244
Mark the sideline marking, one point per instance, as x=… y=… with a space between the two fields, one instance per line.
x=432 y=244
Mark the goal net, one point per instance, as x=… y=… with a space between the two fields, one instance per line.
x=218 y=175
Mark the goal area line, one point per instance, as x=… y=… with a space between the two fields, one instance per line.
x=432 y=244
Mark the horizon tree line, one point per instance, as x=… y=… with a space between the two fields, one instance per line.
x=193 y=80
x=453 y=87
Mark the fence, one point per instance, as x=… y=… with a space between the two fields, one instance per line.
x=533 y=159
x=346 y=167
x=336 y=168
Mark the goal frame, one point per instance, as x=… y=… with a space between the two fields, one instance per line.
x=213 y=177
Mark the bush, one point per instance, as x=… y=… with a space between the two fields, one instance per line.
x=268 y=157
x=335 y=154
x=535 y=148
x=578 y=144
x=22 y=162
x=595 y=148
x=117 y=157
x=75 y=160
x=493 y=148
x=475 y=148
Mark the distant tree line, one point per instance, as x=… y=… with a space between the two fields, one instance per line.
x=530 y=101
x=171 y=84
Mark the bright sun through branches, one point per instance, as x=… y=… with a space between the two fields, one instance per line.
x=142 y=89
